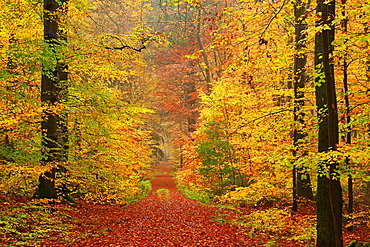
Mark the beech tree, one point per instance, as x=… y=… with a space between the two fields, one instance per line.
x=230 y=83
x=53 y=91
x=329 y=208
x=301 y=179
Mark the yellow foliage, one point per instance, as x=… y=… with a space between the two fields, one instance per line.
x=259 y=192
x=275 y=224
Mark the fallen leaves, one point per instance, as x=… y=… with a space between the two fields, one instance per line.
x=164 y=218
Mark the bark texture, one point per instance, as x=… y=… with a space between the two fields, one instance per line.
x=301 y=180
x=329 y=194
x=53 y=90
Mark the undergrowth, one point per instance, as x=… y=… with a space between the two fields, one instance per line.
x=195 y=194
x=145 y=187
x=274 y=224
x=29 y=223
x=163 y=194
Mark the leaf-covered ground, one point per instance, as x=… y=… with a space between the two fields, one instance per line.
x=164 y=218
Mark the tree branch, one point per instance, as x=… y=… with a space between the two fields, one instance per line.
x=123 y=46
x=264 y=116
x=262 y=41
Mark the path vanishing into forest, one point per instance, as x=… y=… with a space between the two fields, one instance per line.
x=168 y=220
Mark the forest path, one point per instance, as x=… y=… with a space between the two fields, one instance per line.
x=167 y=220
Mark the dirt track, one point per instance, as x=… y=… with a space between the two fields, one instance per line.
x=166 y=220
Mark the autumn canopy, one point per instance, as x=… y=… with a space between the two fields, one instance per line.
x=261 y=107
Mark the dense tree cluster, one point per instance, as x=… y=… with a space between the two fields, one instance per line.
x=255 y=101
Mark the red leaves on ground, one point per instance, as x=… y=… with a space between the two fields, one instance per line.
x=164 y=218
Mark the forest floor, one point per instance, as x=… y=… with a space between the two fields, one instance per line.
x=162 y=219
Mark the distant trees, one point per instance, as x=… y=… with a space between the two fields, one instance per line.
x=233 y=82
x=79 y=127
x=250 y=107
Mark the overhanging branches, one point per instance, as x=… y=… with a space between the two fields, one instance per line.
x=115 y=43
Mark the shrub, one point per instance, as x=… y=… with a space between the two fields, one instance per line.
x=276 y=224
x=254 y=194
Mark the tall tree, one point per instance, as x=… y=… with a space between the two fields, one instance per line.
x=329 y=209
x=348 y=134
x=53 y=88
x=301 y=180
x=207 y=73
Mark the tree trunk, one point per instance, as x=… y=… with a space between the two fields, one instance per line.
x=347 y=137
x=302 y=182
x=10 y=102
x=367 y=31
x=53 y=88
x=207 y=73
x=329 y=208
